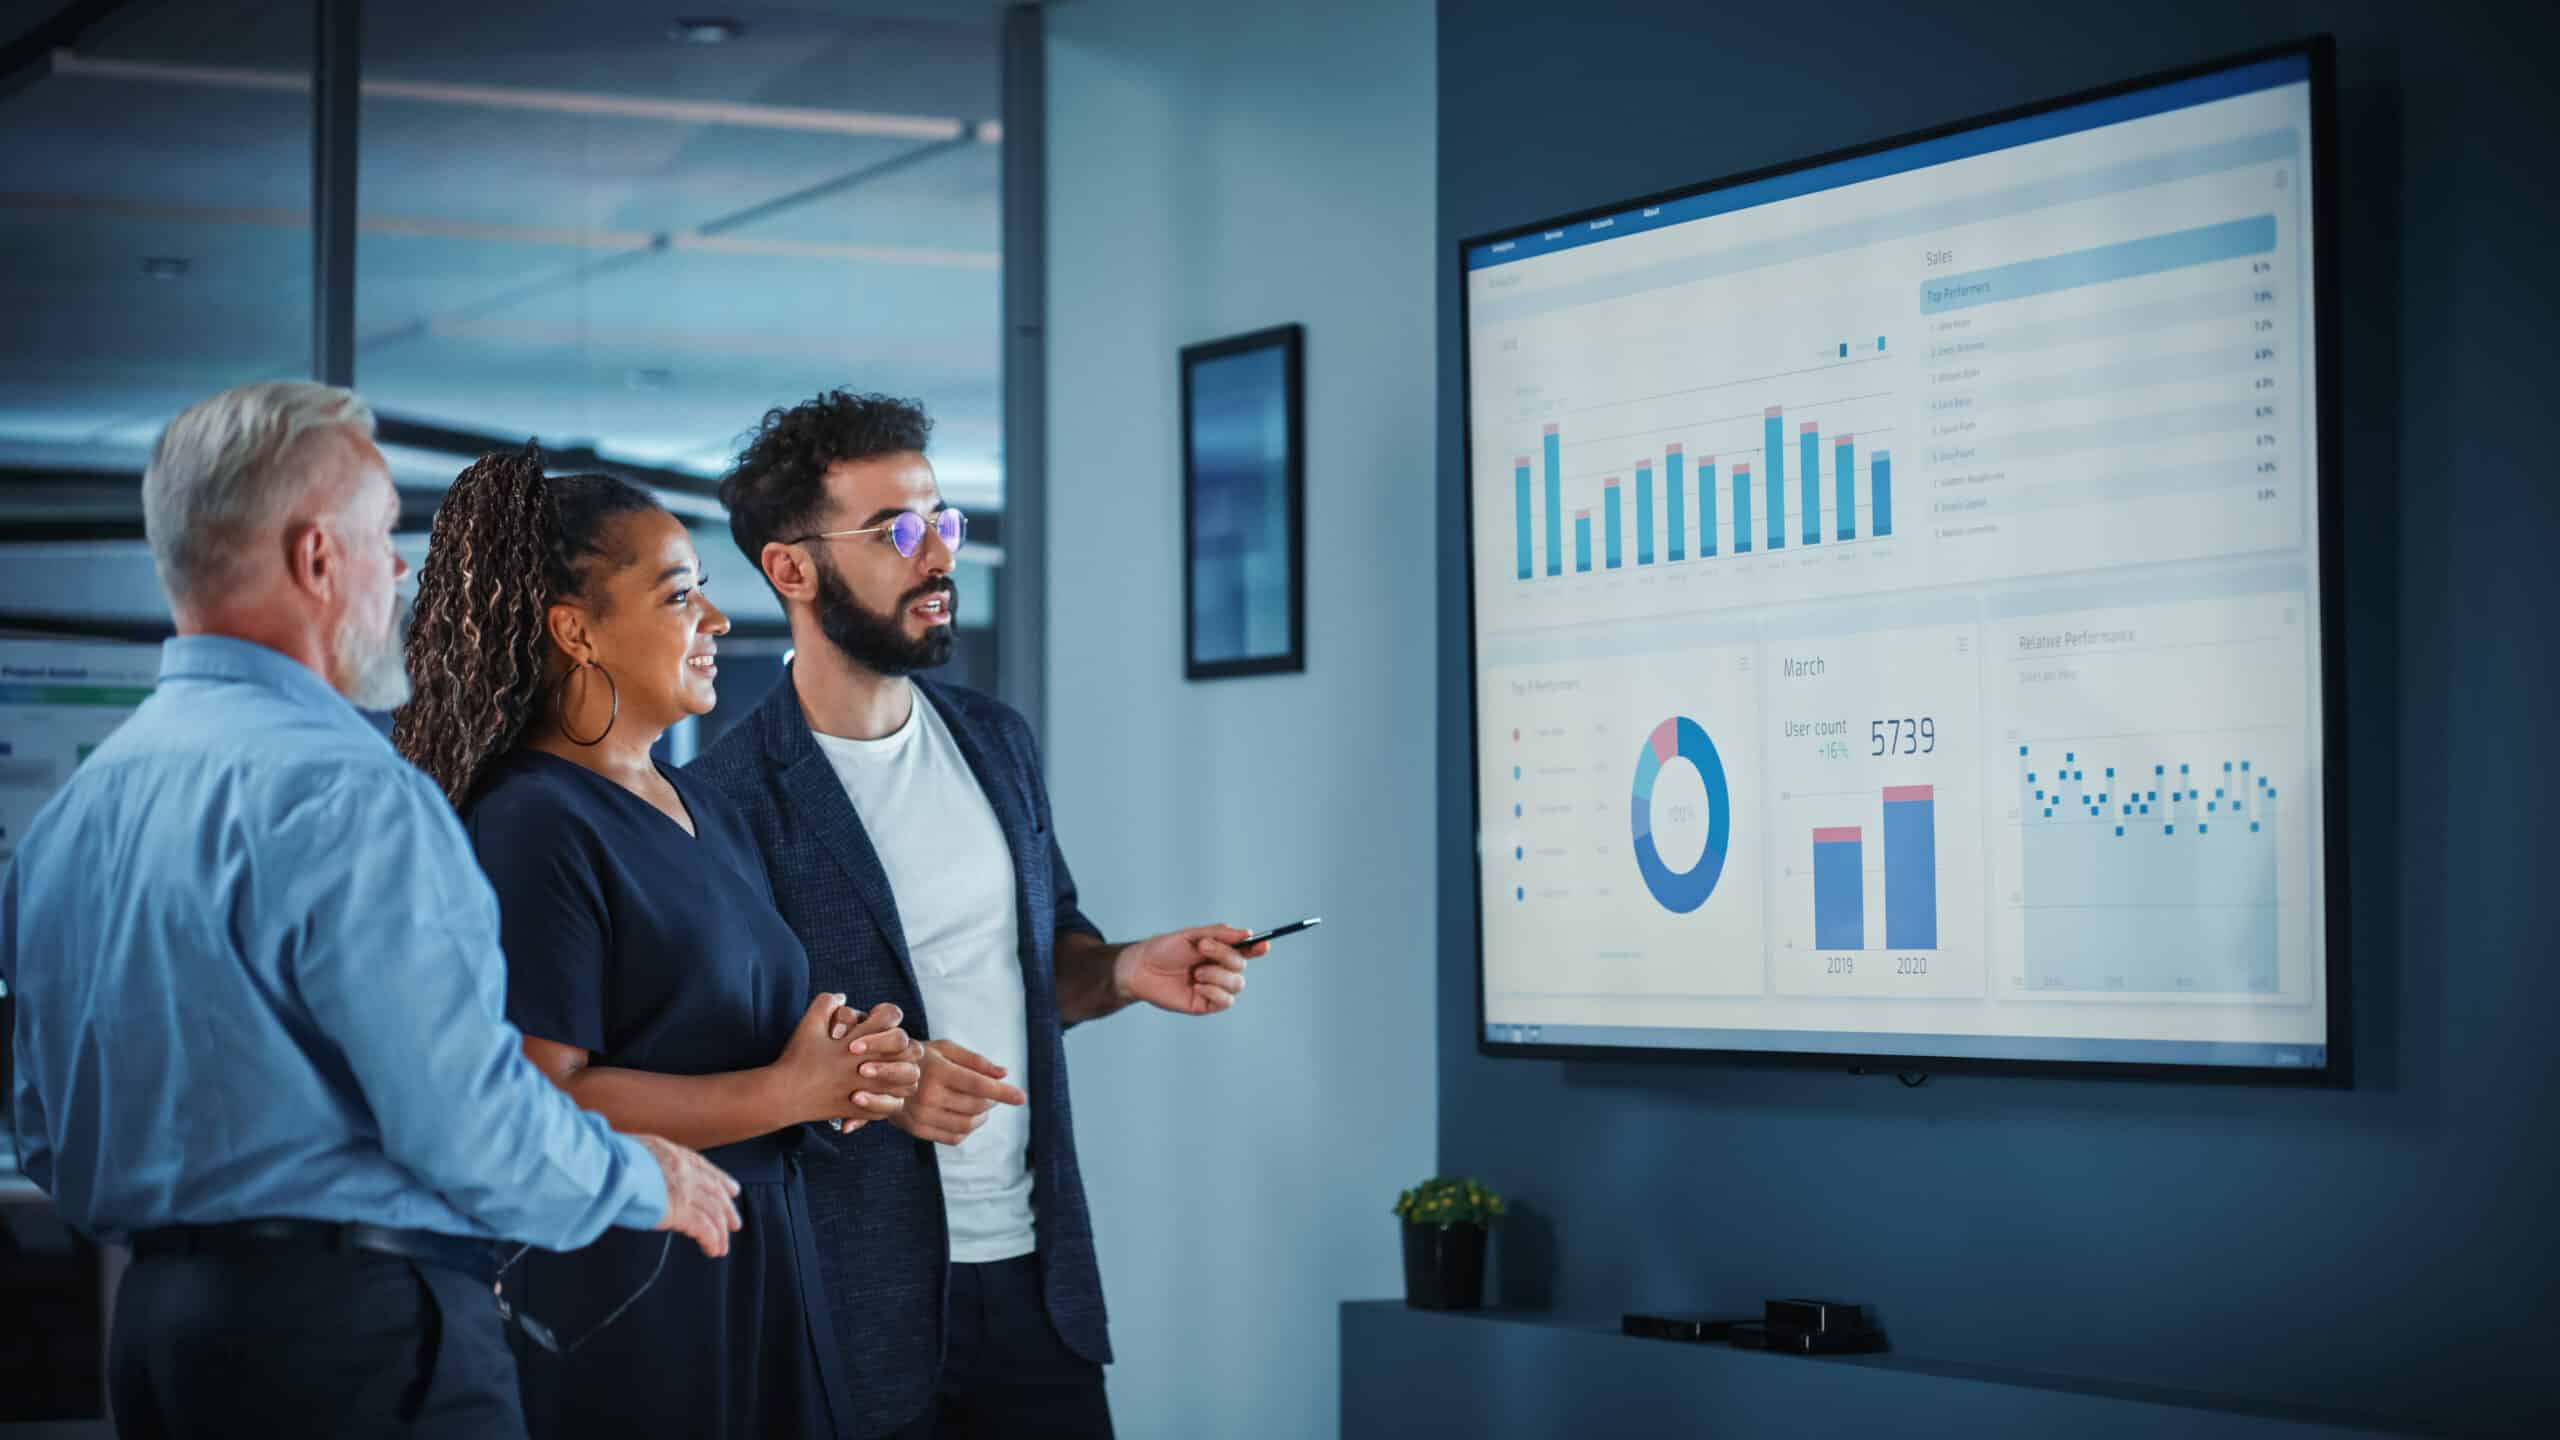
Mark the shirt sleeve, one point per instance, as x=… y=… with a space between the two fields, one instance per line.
x=27 y=1128
x=394 y=946
x=551 y=927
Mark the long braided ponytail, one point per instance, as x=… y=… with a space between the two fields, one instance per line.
x=506 y=544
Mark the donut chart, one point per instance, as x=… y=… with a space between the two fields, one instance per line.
x=1681 y=891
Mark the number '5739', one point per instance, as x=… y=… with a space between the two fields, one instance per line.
x=1906 y=736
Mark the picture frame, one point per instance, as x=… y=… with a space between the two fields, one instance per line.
x=1244 y=505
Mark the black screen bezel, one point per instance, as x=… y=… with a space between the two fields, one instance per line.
x=2320 y=52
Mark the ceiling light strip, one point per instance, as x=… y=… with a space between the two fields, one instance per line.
x=745 y=115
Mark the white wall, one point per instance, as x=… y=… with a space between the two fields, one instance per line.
x=1215 y=169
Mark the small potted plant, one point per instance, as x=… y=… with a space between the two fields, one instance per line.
x=1445 y=1223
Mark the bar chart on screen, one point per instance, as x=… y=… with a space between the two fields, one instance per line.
x=1703 y=473
x=1875 y=814
x=1704 y=504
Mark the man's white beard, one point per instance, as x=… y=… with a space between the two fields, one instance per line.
x=374 y=676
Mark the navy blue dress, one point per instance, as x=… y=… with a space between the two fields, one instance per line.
x=656 y=950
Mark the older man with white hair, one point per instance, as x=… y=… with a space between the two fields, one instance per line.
x=260 y=1031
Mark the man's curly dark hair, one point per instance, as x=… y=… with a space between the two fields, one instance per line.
x=777 y=489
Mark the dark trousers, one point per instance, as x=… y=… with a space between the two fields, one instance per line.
x=1005 y=1372
x=324 y=1344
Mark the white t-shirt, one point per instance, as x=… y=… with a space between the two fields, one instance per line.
x=952 y=874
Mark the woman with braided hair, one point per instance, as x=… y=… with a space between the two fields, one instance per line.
x=560 y=628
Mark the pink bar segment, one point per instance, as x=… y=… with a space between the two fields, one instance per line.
x=1666 y=741
x=1776 y=410
x=1671 y=449
x=1521 y=462
x=1609 y=484
x=1907 y=792
x=1844 y=437
x=1835 y=835
x=1807 y=428
x=1550 y=430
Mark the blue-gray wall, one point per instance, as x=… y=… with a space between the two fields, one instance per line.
x=2390 y=1247
x=1215 y=169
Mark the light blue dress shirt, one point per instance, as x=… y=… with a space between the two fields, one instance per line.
x=257 y=975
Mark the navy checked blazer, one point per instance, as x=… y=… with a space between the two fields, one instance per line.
x=875 y=1196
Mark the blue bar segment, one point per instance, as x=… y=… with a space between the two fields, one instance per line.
x=1707 y=507
x=1809 y=455
x=1910 y=867
x=1520 y=493
x=1672 y=500
x=1839 y=890
x=1581 y=542
x=1880 y=472
x=1614 y=520
x=1741 y=509
x=1644 y=514
x=2230 y=240
x=1555 y=503
x=1844 y=491
x=1777 y=477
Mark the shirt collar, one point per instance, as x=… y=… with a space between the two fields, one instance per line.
x=223 y=657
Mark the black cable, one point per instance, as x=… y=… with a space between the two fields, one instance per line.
x=540 y=1334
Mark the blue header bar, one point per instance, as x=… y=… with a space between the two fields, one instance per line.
x=2008 y=134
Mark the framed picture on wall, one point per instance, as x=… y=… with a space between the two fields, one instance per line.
x=1244 y=565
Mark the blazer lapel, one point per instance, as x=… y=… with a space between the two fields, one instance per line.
x=819 y=810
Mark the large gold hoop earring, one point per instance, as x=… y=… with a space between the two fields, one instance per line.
x=560 y=693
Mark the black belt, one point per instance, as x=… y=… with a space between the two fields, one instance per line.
x=253 y=1239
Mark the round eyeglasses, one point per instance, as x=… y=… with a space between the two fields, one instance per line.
x=906 y=532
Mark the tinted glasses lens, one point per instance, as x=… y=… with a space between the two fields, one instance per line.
x=907 y=532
